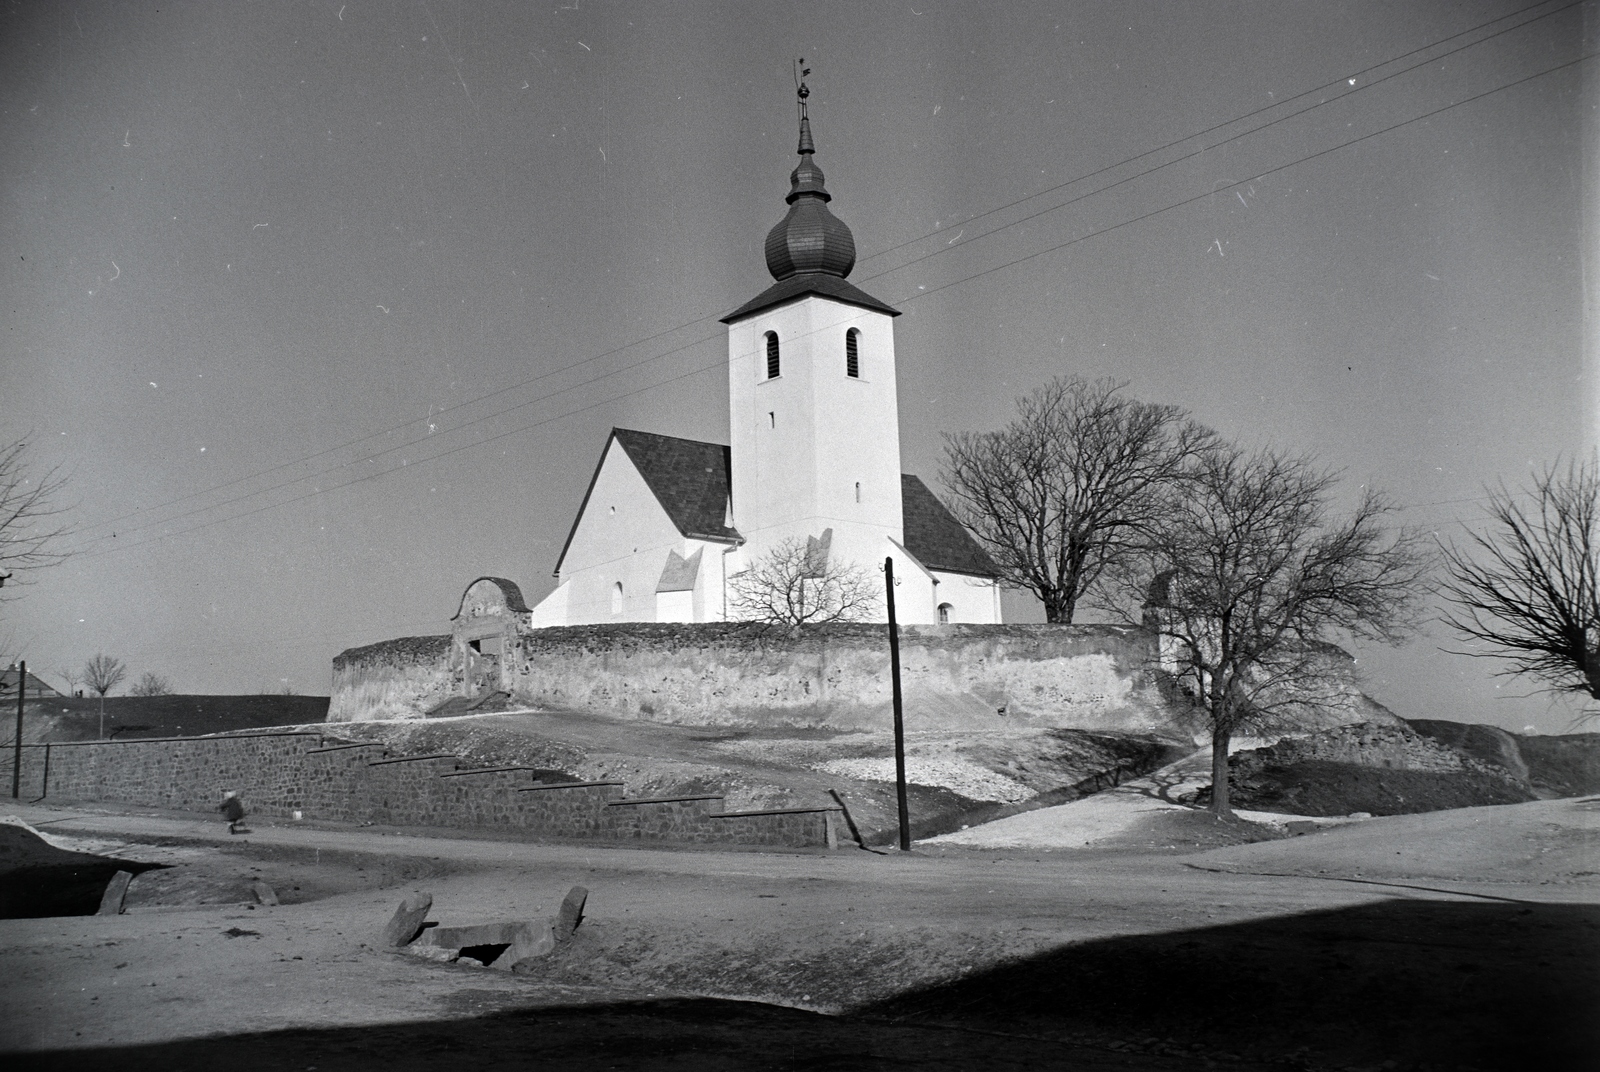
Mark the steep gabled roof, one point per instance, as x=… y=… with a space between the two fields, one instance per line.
x=939 y=541
x=690 y=479
x=35 y=687
x=798 y=286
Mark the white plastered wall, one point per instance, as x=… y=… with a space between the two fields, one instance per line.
x=802 y=443
x=623 y=536
x=973 y=600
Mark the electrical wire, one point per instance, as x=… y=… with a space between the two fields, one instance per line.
x=690 y=323
x=921 y=294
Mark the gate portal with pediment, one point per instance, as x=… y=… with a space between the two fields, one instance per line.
x=484 y=633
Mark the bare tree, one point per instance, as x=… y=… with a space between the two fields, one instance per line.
x=1255 y=579
x=103 y=673
x=1062 y=493
x=1528 y=586
x=30 y=518
x=151 y=684
x=798 y=583
x=71 y=677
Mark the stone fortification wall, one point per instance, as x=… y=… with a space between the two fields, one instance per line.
x=279 y=774
x=836 y=676
x=400 y=678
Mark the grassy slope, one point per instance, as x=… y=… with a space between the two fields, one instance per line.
x=78 y=719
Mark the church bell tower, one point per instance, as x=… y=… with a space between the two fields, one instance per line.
x=813 y=414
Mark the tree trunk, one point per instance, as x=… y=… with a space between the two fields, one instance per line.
x=1220 y=738
x=1059 y=608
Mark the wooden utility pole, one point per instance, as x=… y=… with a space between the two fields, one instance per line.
x=16 y=750
x=899 y=720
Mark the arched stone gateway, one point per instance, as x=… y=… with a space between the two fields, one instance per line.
x=483 y=635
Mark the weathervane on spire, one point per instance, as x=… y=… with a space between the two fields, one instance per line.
x=801 y=71
x=801 y=92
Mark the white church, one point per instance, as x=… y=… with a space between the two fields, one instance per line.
x=815 y=458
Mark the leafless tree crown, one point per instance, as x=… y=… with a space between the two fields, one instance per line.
x=151 y=684
x=102 y=673
x=31 y=529
x=1527 y=587
x=795 y=585
x=1065 y=491
x=1255 y=578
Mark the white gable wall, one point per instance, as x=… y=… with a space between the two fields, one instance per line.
x=623 y=535
x=801 y=443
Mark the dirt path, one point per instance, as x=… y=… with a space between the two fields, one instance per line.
x=957 y=959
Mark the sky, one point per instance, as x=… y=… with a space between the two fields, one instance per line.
x=325 y=309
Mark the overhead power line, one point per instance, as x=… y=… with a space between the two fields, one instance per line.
x=1338 y=84
x=1346 y=86
x=699 y=341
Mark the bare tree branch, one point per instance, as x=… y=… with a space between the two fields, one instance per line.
x=797 y=584
x=1254 y=579
x=30 y=525
x=151 y=684
x=1062 y=493
x=102 y=673
x=1527 y=588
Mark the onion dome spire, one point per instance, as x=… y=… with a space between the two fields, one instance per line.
x=810 y=238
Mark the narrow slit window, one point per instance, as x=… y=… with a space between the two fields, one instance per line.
x=773 y=364
x=852 y=354
x=616 y=598
x=858 y=491
x=772 y=419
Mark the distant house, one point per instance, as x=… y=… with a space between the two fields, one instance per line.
x=37 y=690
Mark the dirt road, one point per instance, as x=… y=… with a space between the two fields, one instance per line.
x=956 y=959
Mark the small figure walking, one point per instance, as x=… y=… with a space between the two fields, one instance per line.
x=232 y=809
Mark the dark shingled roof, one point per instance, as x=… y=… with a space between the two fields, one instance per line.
x=798 y=286
x=690 y=479
x=939 y=541
x=35 y=687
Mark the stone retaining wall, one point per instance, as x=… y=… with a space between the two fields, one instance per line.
x=278 y=774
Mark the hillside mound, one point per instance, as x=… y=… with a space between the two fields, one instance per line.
x=1369 y=767
x=954 y=779
x=1557 y=765
x=64 y=718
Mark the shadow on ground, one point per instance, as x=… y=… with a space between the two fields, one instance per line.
x=1425 y=983
x=1398 y=984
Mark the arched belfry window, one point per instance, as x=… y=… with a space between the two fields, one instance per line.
x=772 y=355
x=852 y=354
